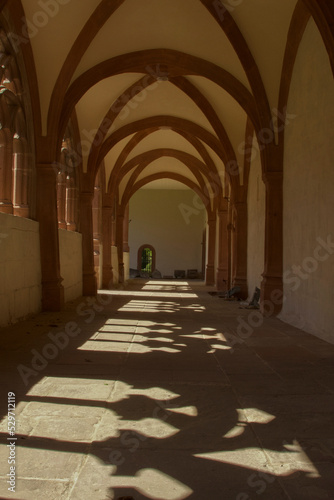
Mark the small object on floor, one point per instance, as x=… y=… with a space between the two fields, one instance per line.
x=254 y=303
x=230 y=294
x=156 y=275
x=192 y=274
x=179 y=274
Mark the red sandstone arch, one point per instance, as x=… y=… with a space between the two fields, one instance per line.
x=155 y=122
x=233 y=33
x=99 y=17
x=323 y=15
x=297 y=28
x=150 y=156
x=164 y=175
x=134 y=141
x=185 y=86
x=113 y=113
x=177 y=64
x=141 y=168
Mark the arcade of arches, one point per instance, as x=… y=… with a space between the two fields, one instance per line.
x=231 y=101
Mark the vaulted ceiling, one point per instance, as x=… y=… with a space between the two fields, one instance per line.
x=169 y=87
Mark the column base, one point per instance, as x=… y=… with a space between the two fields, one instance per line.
x=21 y=211
x=242 y=283
x=89 y=285
x=6 y=208
x=271 y=299
x=52 y=296
x=71 y=226
x=210 y=275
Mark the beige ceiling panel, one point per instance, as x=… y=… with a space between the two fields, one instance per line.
x=53 y=29
x=123 y=184
x=168 y=165
x=165 y=139
x=183 y=25
x=166 y=184
x=265 y=24
x=230 y=113
x=113 y=155
x=94 y=105
x=164 y=99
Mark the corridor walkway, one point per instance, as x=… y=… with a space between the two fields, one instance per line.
x=162 y=391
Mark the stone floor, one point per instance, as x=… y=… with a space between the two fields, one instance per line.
x=162 y=391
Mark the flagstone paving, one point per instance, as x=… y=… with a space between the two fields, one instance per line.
x=161 y=391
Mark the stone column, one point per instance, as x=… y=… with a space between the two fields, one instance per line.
x=223 y=250
x=6 y=177
x=20 y=176
x=272 y=283
x=210 y=267
x=46 y=211
x=61 y=199
x=126 y=230
x=86 y=217
x=107 y=213
x=70 y=204
x=240 y=247
x=119 y=244
x=97 y=230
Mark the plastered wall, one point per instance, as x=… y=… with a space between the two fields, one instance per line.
x=70 y=249
x=308 y=192
x=256 y=223
x=172 y=221
x=20 y=269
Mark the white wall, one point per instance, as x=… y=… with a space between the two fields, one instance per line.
x=70 y=250
x=308 y=191
x=172 y=223
x=20 y=268
x=256 y=223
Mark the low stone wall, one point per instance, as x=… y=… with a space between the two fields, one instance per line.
x=20 y=269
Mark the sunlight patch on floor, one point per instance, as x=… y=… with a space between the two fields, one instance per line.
x=154 y=485
x=280 y=463
x=135 y=293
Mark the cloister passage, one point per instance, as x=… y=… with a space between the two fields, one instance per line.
x=167 y=231
x=217 y=117
x=162 y=391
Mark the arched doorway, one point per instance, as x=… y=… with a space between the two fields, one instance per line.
x=146 y=259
